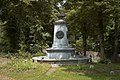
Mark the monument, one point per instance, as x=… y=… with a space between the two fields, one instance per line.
x=60 y=52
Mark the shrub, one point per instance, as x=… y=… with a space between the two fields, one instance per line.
x=23 y=55
x=105 y=61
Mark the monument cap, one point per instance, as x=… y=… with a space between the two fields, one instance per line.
x=59 y=22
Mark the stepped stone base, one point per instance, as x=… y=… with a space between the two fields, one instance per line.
x=60 y=61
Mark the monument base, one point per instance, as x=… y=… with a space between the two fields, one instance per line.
x=61 y=61
x=61 y=56
x=60 y=53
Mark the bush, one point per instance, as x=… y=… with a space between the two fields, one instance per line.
x=23 y=55
x=105 y=61
x=78 y=45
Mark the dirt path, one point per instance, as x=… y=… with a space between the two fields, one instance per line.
x=4 y=61
x=50 y=71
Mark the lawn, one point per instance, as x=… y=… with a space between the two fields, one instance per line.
x=27 y=70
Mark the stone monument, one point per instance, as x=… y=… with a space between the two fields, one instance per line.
x=60 y=52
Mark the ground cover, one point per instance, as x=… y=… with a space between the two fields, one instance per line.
x=27 y=70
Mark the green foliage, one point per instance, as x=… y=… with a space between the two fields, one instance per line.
x=39 y=54
x=19 y=55
x=78 y=45
x=30 y=22
x=22 y=65
x=23 y=55
x=100 y=18
x=23 y=20
x=105 y=61
x=91 y=45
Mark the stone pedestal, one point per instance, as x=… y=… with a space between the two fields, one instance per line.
x=60 y=35
x=60 y=48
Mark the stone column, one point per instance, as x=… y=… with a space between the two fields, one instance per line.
x=60 y=35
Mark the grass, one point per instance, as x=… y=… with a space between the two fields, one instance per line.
x=96 y=71
x=27 y=70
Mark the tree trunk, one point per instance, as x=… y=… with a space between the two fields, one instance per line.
x=115 y=56
x=84 y=38
x=102 y=55
x=101 y=33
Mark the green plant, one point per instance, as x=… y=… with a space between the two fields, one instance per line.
x=21 y=65
x=78 y=45
x=9 y=55
x=39 y=54
x=22 y=54
x=105 y=61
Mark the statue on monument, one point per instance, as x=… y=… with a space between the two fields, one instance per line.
x=60 y=6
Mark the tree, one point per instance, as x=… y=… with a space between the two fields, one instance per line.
x=115 y=17
x=24 y=18
x=79 y=18
x=91 y=19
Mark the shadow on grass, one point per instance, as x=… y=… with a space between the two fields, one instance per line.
x=95 y=71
